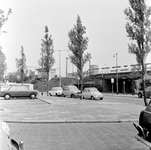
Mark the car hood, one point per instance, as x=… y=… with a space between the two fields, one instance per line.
x=97 y=93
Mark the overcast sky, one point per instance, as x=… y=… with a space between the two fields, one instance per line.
x=104 y=21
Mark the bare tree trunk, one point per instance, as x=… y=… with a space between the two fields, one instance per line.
x=81 y=80
x=143 y=83
x=47 y=83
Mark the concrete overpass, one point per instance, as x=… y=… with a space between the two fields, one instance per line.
x=125 y=81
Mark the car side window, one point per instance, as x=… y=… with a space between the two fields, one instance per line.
x=85 y=90
x=22 y=88
x=13 y=88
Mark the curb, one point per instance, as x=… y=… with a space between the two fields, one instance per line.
x=44 y=101
x=70 y=121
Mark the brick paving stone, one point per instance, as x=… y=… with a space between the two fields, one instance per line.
x=77 y=136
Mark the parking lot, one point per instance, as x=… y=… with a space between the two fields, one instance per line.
x=64 y=123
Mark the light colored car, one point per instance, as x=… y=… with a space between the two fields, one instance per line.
x=6 y=142
x=55 y=91
x=70 y=91
x=18 y=91
x=92 y=93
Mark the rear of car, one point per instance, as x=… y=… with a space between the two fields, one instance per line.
x=70 y=91
x=55 y=91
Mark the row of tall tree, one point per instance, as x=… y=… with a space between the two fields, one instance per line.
x=137 y=28
x=77 y=45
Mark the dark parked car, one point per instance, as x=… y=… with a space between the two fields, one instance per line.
x=145 y=120
x=18 y=91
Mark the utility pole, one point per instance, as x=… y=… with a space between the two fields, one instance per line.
x=60 y=65
x=67 y=67
x=59 y=68
x=116 y=55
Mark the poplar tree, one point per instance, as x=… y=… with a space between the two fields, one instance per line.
x=139 y=32
x=21 y=64
x=47 y=60
x=77 y=45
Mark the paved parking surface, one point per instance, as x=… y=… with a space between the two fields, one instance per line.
x=54 y=123
x=56 y=109
x=77 y=136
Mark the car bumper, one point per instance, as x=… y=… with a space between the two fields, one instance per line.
x=98 y=97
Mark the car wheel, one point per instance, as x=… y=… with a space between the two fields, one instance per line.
x=32 y=96
x=72 y=95
x=101 y=98
x=50 y=94
x=56 y=94
x=140 y=95
x=7 y=96
x=92 y=98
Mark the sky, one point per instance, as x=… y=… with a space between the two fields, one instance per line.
x=105 y=27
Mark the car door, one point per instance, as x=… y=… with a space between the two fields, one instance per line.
x=65 y=91
x=23 y=91
x=86 y=94
x=149 y=92
x=13 y=91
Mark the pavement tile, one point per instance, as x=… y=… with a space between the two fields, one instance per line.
x=77 y=136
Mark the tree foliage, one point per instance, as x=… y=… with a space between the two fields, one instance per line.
x=21 y=64
x=77 y=45
x=138 y=30
x=4 y=18
x=3 y=65
x=47 y=60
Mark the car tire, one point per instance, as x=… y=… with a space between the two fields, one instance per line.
x=72 y=96
x=50 y=94
x=7 y=96
x=32 y=96
x=92 y=98
x=56 y=94
x=101 y=98
x=139 y=95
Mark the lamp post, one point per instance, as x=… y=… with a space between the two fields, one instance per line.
x=116 y=55
x=67 y=66
x=60 y=65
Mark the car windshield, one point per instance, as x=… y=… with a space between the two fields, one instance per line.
x=93 y=90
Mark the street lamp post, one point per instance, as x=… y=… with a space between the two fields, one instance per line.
x=67 y=66
x=116 y=55
x=60 y=65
